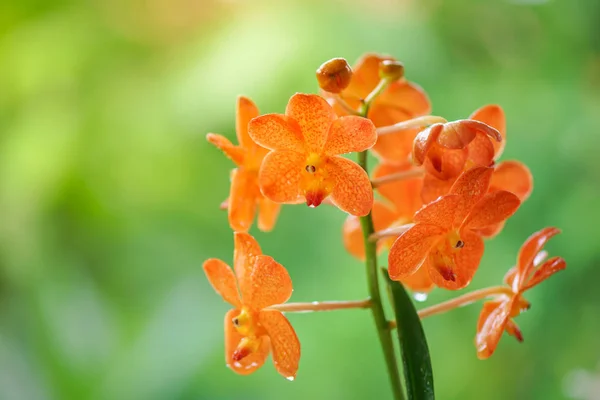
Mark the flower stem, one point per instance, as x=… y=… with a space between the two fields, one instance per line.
x=398 y=176
x=460 y=301
x=393 y=231
x=338 y=99
x=419 y=122
x=366 y=222
x=321 y=306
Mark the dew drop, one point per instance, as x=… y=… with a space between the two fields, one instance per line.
x=419 y=296
x=312 y=206
x=290 y=378
x=540 y=258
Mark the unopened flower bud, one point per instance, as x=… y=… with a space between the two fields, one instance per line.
x=334 y=75
x=391 y=70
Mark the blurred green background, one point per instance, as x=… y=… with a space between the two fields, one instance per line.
x=109 y=192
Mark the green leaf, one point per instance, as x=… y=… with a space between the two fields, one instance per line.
x=413 y=344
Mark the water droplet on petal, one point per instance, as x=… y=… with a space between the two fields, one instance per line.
x=419 y=296
x=290 y=378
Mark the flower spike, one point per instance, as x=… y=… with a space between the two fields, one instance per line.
x=245 y=196
x=531 y=269
x=252 y=330
x=305 y=163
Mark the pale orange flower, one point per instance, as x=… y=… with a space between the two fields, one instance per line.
x=446 y=238
x=245 y=195
x=402 y=100
x=304 y=162
x=531 y=269
x=252 y=330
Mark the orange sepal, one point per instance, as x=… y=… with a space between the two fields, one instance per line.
x=276 y=132
x=440 y=212
x=351 y=191
x=242 y=199
x=235 y=153
x=245 y=251
x=490 y=326
x=493 y=209
x=532 y=246
x=544 y=271
x=222 y=279
x=268 y=211
x=491 y=231
x=471 y=185
x=314 y=117
x=245 y=111
x=452 y=268
x=350 y=134
x=411 y=248
x=493 y=115
x=514 y=177
x=253 y=360
x=268 y=284
x=284 y=342
x=280 y=175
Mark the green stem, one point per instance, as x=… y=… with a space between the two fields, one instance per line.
x=381 y=322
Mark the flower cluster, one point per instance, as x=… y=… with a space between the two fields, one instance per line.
x=438 y=192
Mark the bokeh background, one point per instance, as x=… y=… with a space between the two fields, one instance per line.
x=109 y=192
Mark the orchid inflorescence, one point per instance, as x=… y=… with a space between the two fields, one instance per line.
x=441 y=192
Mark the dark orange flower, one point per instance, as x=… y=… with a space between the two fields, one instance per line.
x=531 y=269
x=447 y=235
x=245 y=195
x=304 y=162
x=446 y=150
x=252 y=330
x=402 y=100
x=512 y=176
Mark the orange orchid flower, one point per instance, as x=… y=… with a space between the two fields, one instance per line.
x=531 y=269
x=447 y=149
x=400 y=101
x=304 y=162
x=245 y=195
x=252 y=330
x=447 y=235
x=512 y=176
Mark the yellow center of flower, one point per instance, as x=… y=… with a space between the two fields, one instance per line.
x=247 y=326
x=315 y=182
x=442 y=255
